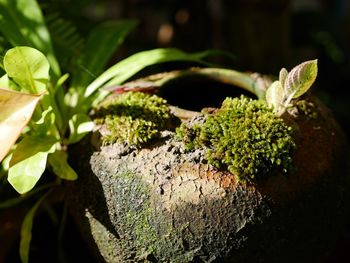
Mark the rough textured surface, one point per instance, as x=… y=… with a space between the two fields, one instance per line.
x=162 y=204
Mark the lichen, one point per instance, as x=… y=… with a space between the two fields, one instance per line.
x=245 y=137
x=134 y=118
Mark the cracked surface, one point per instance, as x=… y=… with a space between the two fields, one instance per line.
x=161 y=204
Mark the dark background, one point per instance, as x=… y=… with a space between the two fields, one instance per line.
x=262 y=35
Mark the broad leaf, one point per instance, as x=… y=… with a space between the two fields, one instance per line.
x=275 y=96
x=7 y=83
x=26 y=231
x=300 y=79
x=28 y=67
x=22 y=23
x=60 y=166
x=28 y=162
x=79 y=126
x=16 y=110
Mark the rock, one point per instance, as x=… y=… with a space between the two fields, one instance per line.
x=161 y=203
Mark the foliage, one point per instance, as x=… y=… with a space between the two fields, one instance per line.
x=43 y=111
x=134 y=118
x=291 y=85
x=245 y=137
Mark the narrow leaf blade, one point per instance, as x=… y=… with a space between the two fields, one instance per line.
x=16 y=110
x=26 y=231
x=79 y=125
x=22 y=23
x=103 y=41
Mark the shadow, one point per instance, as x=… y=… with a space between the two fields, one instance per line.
x=198 y=92
x=86 y=195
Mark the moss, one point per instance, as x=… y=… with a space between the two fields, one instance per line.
x=134 y=118
x=245 y=137
x=306 y=108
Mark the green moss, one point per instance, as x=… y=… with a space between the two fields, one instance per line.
x=245 y=137
x=134 y=118
x=306 y=108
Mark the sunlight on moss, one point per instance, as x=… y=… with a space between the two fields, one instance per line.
x=245 y=137
x=134 y=118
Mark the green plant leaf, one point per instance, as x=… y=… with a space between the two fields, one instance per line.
x=16 y=110
x=283 y=76
x=300 y=79
x=26 y=231
x=28 y=161
x=22 y=24
x=128 y=67
x=60 y=166
x=28 y=67
x=79 y=125
x=45 y=123
x=275 y=96
x=103 y=41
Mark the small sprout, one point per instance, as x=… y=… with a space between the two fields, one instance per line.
x=291 y=85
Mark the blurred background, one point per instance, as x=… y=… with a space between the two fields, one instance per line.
x=261 y=35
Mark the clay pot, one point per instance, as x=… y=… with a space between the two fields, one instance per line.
x=163 y=204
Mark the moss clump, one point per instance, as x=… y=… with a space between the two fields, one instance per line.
x=134 y=118
x=245 y=137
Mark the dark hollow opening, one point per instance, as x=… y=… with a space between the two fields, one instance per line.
x=198 y=92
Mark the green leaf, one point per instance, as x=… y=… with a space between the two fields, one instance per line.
x=26 y=231
x=79 y=125
x=22 y=23
x=275 y=96
x=283 y=76
x=5 y=81
x=28 y=162
x=45 y=123
x=128 y=67
x=103 y=41
x=28 y=67
x=60 y=166
x=16 y=110
x=300 y=79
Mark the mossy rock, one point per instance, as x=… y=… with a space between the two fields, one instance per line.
x=159 y=201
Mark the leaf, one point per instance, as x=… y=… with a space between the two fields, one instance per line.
x=275 y=96
x=46 y=121
x=16 y=110
x=60 y=166
x=126 y=68
x=22 y=24
x=103 y=41
x=300 y=79
x=7 y=83
x=28 y=162
x=283 y=76
x=26 y=231
x=79 y=125
x=28 y=67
